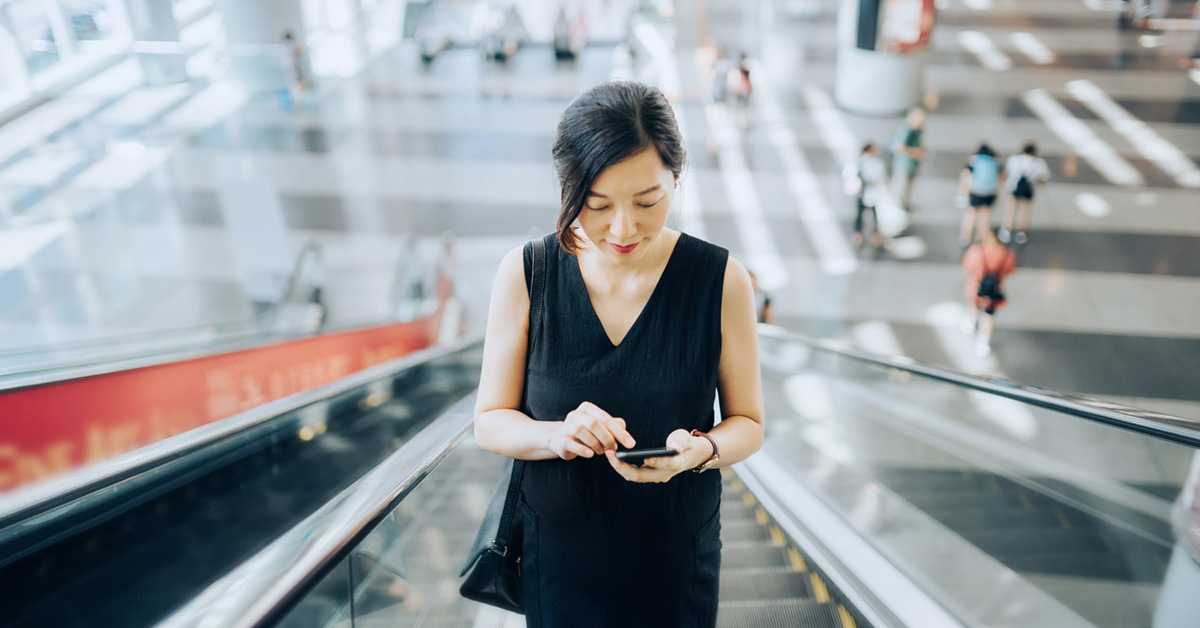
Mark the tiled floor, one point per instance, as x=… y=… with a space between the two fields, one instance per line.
x=110 y=196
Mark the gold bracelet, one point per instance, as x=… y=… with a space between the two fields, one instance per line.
x=715 y=455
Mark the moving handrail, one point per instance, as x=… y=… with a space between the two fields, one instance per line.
x=1176 y=429
x=39 y=500
x=264 y=588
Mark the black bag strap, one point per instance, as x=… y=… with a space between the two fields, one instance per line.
x=537 y=291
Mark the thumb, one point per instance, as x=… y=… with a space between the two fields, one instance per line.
x=680 y=440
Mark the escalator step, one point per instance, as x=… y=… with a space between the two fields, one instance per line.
x=778 y=583
x=743 y=530
x=753 y=554
x=736 y=511
x=778 y=614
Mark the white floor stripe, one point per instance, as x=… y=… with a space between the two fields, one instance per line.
x=820 y=222
x=1086 y=144
x=1092 y=205
x=667 y=70
x=831 y=125
x=762 y=255
x=978 y=5
x=1195 y=75
x=1032 y=47
x=982 y=46
x=1150 y=144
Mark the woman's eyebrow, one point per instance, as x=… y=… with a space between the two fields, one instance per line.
x=648 y=190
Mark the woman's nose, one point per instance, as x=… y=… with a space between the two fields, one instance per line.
x=624 y=224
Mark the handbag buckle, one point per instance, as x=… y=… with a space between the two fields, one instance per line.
x=502 y=551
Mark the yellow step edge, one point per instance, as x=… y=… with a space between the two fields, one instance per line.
x=748 y=499
x=819 y=590
x=777 y=537
x=761 y=516
x=844 y=615
x=797 y=560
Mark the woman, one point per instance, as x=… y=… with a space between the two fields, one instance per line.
x=980 y=181
x=1026 y=173
x=641 y=326
x=986 y=265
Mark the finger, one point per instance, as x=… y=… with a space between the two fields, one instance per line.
x=578 y=449
x=597 y=421
x=617 y=427
x=585 y=436
x=623 y=468
x=679 y=440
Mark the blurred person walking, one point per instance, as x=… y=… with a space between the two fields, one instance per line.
x=294 y=71
x=907 y=148
x=867 y=179
x=743 y=90
x=1025 y=173
x=640 y=325
x=979 y=182
x=987 y=264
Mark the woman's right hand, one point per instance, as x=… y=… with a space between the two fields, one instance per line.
x=588 y=431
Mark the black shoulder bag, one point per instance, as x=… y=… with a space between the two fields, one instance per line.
x=493 y=569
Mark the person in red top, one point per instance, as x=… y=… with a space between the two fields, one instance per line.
x=986 y=264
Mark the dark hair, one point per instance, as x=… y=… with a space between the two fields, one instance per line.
x=867 y=147
x=607 y=124
x=984 y=149
x=1030 y=149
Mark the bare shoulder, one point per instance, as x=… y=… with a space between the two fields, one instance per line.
x=737 y=280
x=737 y=299
x=510 y=277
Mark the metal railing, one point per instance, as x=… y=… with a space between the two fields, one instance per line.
x=263 y=589
x=64 y=492
x=1175 y=429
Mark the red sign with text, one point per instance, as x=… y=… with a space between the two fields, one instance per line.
x=48 y=429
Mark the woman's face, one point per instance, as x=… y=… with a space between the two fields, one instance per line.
x=627 y=207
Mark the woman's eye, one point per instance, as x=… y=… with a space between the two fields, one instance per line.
x=596 y=208
x=650 y=205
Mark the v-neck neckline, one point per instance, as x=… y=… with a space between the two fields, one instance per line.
x=645 y=306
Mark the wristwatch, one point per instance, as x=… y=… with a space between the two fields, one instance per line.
x=715 y=455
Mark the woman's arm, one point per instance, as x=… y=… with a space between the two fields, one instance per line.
x=499 y=426
x=739 y=377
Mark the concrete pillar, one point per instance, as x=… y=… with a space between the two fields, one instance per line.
x=152 y=22
x=254 y=37
x=881 y=54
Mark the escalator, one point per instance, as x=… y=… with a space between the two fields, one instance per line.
x=887 y=493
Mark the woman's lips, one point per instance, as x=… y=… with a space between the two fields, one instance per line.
x=624 y=250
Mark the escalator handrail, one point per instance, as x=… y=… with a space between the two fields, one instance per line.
x=263 y=589
x=1176 y=429
x=35 y=499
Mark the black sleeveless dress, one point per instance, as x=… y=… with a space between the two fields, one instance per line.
x=600 y=551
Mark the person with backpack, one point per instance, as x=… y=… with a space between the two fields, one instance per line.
x=1025 y=172
x=980 y=182
x=987 y=264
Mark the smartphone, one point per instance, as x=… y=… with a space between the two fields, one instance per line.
x=638 y=456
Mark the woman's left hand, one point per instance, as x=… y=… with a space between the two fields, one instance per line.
x=693 y=451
